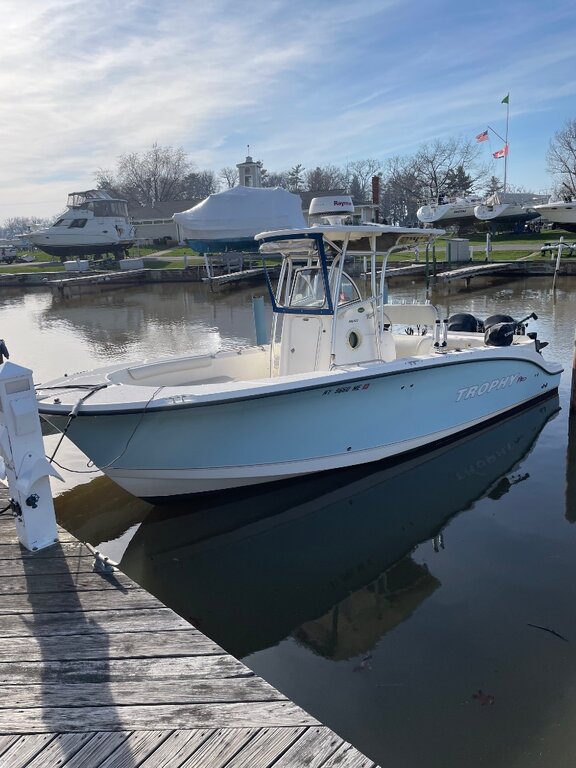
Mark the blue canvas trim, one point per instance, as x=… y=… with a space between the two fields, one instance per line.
x=281 y=310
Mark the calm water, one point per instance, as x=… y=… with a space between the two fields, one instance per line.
x=424 y=611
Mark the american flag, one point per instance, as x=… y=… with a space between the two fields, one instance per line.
x=482 y=136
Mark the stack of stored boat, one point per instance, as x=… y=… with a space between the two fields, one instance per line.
x=449 y=212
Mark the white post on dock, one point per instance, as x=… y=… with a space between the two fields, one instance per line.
x=557 y=267
x=23 y=463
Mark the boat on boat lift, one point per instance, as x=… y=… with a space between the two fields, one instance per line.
x=347 y=377
x=93 y=224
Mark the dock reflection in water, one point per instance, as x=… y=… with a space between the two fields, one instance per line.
x=326 y=559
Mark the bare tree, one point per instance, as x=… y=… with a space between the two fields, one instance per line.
x=149 y=177
x=401 y=191
x=200 y=184
x=19 y=225
x=229 y=176
x=274 y=178
x=325 y=178
x=561 y=160
x=359 y=174
x=436 y=165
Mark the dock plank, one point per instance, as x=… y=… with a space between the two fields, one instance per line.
x=220 y=747
x=61 y=582
x=251 y=714
x=68 y=601
x=64 y=745
x=15 y=566
x=177 y=748
x=96 y=750
x=134 y=749
x=90 y=622
x=198 y=691
x=312 y=749
x=265 y=747
x=121 y=670
x=25 y=748
x=118 y=646
x=348 y=757
x=71 y=549
x=6 y=742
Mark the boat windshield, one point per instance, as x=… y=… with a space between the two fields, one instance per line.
x=303 y=284
x=308 y=288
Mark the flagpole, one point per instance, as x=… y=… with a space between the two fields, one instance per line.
x=506 y=140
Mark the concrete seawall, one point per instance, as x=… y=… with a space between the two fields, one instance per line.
x=61 y=284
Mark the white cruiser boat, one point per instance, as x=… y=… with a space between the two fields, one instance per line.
x=559 y=212
x=454 y=212
x=94 y=223
x=346 y=379
x=508 y=208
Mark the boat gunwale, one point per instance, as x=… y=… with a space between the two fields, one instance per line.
x=286 y=385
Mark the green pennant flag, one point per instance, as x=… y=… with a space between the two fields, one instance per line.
x=506 y=99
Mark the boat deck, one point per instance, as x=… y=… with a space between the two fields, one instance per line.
x=96 y=673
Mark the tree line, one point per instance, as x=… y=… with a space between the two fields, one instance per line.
x=451 y=167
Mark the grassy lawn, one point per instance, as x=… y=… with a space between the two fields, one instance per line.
x=174 y=258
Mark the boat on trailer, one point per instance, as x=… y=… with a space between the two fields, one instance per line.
x=346 y=378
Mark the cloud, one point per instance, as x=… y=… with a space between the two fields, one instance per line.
x=316 y=83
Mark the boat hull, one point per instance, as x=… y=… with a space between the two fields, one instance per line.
x=447 y=215
x=561 y=214
x=83 y=249
x=265 y=433
x=221 y=245
x=504 y=214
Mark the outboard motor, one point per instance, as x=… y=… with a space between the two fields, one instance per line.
x=519 y=325
x=500 y=334
x=493 y=319
x=465 y=322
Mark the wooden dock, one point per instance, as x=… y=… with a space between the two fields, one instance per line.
x=221 y=282
x=97 y=673
x=472 y=270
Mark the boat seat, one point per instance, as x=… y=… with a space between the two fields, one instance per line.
x=464 y=341
x=408 y=346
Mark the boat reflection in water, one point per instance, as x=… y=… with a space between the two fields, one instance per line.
x=325 y=559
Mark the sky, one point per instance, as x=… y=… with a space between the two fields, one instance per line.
x=306 y=82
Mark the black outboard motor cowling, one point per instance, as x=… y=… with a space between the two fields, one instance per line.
x=465 y=322
x=493 y=319
x=519 y=325
x=500 y=334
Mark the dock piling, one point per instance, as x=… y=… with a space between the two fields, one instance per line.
x=573 y=385
x=24 y=466
x=260 y=320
